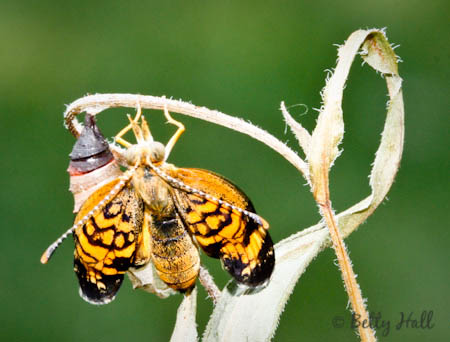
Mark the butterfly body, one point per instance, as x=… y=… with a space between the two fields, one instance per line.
x=173 y=253
x=161 y=214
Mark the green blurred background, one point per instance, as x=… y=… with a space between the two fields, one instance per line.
x=243 y=59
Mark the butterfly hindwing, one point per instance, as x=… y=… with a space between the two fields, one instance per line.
x=243 y=245
x=105 y=246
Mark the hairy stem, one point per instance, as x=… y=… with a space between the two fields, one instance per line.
x=94 y=104
x=208 y=283
x=352 y=287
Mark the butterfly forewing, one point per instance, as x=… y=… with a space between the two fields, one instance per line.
x=105 y=246
x=244 y=246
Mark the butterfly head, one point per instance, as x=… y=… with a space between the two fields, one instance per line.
x=146 y=149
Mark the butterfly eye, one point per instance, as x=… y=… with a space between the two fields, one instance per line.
x=158 y=152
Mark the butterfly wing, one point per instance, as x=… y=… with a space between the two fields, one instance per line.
x=105 y=246
x=243 y=245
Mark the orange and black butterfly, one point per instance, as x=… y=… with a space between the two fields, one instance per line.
x=155 y=212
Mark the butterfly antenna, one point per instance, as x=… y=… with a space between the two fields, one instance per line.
x=51 y=249
x=114 y=191
x=258 y=219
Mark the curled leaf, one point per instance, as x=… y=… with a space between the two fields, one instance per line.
x=229 y=320
x=302 y=135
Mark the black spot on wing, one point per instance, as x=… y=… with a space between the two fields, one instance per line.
x=108 y=211
x=260 y=273
x=212 y=250
x=121 y=264
x=250 y=227
x=126 y=217
x=234 y=267
x=90 y=292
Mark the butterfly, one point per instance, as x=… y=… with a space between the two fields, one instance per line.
x=159 y=213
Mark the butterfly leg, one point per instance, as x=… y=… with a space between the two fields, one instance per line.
x=118 y=138
x=147 y=136
x=177 y=134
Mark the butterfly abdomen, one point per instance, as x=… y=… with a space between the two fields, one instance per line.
x=174 y=255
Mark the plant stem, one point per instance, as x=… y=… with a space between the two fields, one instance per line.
x=208 y=283
x=94 y=104
x=352 y=287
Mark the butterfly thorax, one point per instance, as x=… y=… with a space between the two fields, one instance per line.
x=153 y=190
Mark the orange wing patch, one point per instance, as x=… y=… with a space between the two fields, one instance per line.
x=105 y=245
x=243 y=245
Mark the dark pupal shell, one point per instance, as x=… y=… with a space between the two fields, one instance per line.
x=91 y=163
x=91 y=150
